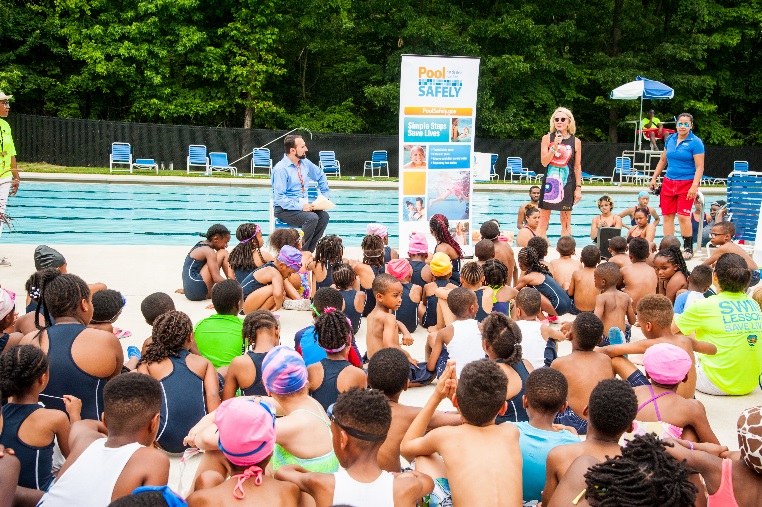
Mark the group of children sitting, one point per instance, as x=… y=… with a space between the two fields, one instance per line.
x=321 y=423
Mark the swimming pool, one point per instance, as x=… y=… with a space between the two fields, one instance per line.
x=129 y=214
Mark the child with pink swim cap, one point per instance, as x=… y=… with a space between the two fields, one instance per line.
x=246 y=439
x=660 y=409
x=303 y=435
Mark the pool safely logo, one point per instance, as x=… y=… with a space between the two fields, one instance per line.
x=751 y=340
x=439 y=82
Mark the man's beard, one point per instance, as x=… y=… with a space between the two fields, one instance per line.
x=302 y=156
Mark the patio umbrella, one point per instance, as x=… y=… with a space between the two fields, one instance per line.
x=642 y=88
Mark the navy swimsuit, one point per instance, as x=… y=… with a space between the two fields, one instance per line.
x=417 y=269
x=557 y=296
x=184 y=404
x=251 y=284
x=370 y=299
x=430 y=317
x=481 y=314
x=328 y=280
x=408 y=312
x=327 y=393
x=516 y=411
x=353 y=315
x=257 y=388
x=68 y=378
x=193 y=283
x=36 y=462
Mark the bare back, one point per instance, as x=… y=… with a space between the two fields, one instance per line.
x=482 y=462
x=583 y=370
x=584 y=289
x=621 y=260
x=612 y=307
x=504 y=253
x=639 y=280
x=269 y=492
x=563 y=269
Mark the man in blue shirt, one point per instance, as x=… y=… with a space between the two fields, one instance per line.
x=290 y=179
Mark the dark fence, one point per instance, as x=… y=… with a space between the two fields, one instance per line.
x=87 y=143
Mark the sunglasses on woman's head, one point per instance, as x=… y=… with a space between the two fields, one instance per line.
x=559 y=120
x=685 y=124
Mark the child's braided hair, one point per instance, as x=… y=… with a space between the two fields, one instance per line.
x=242 y=255
x=644 y=475
x=329 y=250
x=440 y=229
x=60 y=296
x=343 y=276
x=495 y=273
x=20 y=367
x=373 y=250
x=332 y=329
x=256 y=320
x=528 y=257
x=675 y=256
x=170 y=332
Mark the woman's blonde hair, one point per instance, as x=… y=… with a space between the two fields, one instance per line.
x=572 y=124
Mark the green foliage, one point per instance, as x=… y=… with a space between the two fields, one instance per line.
x=333 y=65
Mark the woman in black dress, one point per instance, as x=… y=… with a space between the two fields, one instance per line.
x=561 y=153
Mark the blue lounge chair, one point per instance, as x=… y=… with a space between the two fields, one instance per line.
x=197 y=158
x=623 y=168
x=744 y=201
x=379 y=161
x=594 y=177
x=121 y=155
x=218 y=161
x=329 y=164
x=514 y=167
x=493 y=166
x=260 y=159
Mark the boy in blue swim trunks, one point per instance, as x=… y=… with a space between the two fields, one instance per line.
x=612 y=305
x=476 y=457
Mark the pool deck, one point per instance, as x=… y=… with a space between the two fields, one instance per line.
x=342 y=184
x=138 y=272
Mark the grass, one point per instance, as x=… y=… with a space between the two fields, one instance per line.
x=41 y=167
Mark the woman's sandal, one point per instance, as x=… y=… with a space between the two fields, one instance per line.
x=687 y=254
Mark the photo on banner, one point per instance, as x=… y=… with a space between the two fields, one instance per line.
x=436 y=155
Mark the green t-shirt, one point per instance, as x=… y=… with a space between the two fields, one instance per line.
x=654 y=122
x=7 y=146
x=732 y=322
x=219 y=338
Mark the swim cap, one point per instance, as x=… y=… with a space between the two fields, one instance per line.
x=246 y=430
x=377 y=230
x=440 y=264
x=283 y=371
x=399 y=268
x=667 y=364
x=46 y=257
x=291 y=257
x=418 y=244
x=642 y=193
x=7 y=303
x=750 y=438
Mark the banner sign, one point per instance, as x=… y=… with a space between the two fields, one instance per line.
x=437 y=122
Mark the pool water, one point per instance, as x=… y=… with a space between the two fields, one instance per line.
x=126 y=214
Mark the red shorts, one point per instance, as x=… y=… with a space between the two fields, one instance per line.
x=674 y=197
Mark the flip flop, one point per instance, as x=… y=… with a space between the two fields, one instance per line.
x=122 y=333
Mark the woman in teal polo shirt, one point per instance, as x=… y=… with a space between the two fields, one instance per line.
x=731 y=321
x=684 y=157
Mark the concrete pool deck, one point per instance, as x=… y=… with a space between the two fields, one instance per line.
x=140 y=271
